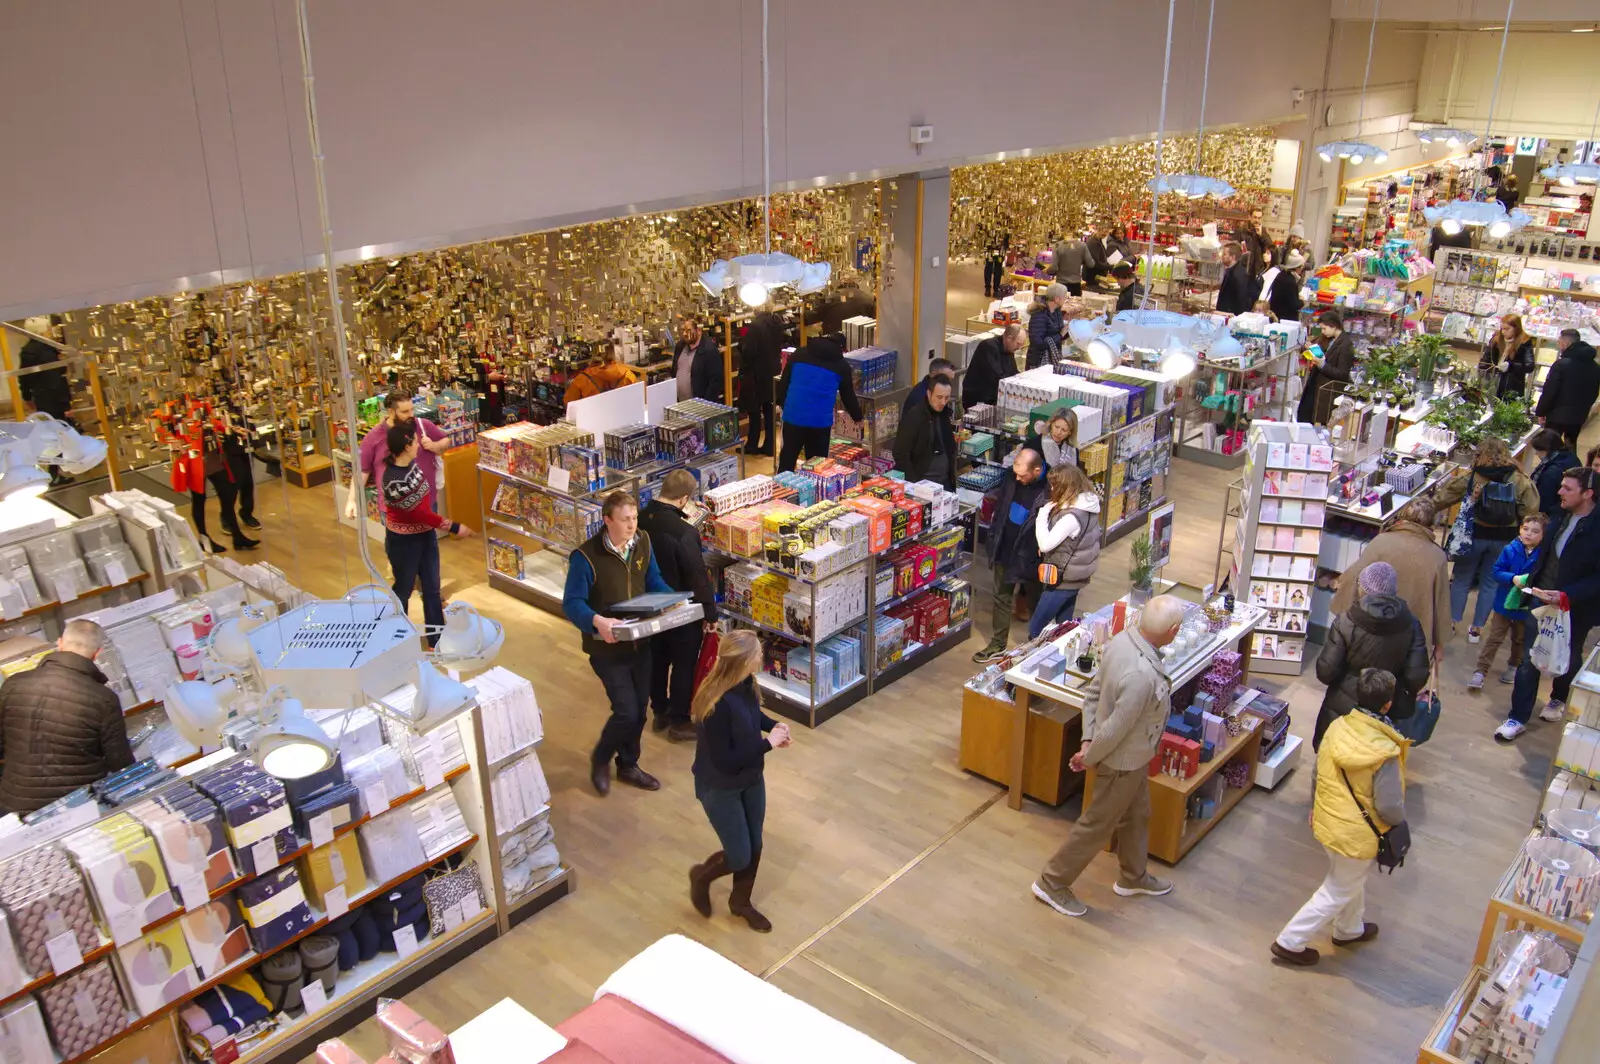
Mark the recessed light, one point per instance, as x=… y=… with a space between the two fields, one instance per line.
x=1584 y=29
x=1487 y=29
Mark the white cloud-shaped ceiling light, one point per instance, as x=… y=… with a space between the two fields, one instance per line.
x=755 y=276
x=1486 y=214
x=1571 y=174
x=1192 y=186
x=1449 y=136
x=1356 y=151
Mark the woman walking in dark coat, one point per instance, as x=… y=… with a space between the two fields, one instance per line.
x=1337 y=361
x=1378 y=632
x=1509 y=354
x=728 y=762
x=1555 y=458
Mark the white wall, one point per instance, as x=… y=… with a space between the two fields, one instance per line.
x=167 y=141
x=1549 y=88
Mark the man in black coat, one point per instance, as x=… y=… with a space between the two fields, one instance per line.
x=760 y=361
x=1011 y=545
x=994 y=360
x=1237 y=293
x=697 y=363
x=1570 y=388
x=939 y=369
x=683 y=567
x=61 y=727
x=1569 y=576
x=851 y=302
x=1132 y=291
x=46 y=391
x=925 y=442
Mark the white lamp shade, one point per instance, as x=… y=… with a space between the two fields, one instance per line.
x=196 y=710
x=291 y=746
x=21 y=479
x=80 y=453
x=1225 y=346
x=1104 y=350
x=438 y=698
x=469 y=639
x=1178 y=360
x=753 y=293
x=1082 y=330
x=230 y=645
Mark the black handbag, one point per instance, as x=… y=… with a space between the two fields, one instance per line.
x=1394 y=844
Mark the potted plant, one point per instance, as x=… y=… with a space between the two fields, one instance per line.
x=1140 y=572
x=1430 y=352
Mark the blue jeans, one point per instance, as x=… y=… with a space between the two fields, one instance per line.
x=1525 y=692
x=1055 y=604
x=736 y=816
x=414 y=557
x=1475 y=565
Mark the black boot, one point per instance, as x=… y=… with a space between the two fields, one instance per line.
x=244 y=542
x=739 y=901
x=700 y=879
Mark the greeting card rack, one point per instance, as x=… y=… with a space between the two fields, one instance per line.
x=1278 y=537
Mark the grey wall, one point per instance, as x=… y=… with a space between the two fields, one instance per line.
x=166 y=138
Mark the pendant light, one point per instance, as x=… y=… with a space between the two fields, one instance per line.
x=1570 y=174
x=755 y=276
x=1196 y=185
x=1490 y=215
x=1358 y=151
x=1449 y=136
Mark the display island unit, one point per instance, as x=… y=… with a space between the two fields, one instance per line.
x=141 y=914
x=1020 y=718
x=832 y=640
x=1216 y=408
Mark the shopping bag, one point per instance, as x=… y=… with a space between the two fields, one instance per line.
x=708 y=657
x=1552 y=651
x=1418 y=727
x=1459 y=539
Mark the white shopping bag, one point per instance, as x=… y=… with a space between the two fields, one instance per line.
x=1552 y=651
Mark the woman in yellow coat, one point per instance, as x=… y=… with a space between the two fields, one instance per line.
x=1362 y=759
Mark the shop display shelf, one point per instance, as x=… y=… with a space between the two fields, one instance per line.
x=916 y=654
x=762 y=563
x=141 y=707
x=960 y=567
x=1506 y=913
x=733 y=615
x=1121 y=525
x=524 y=822
x=537 y=897
x=93 y=592
x=1436 y=1047
x=546 y=596
x=792 y=693
x=552 y=544
x=614 y=479
x=507 y=758
x=42 y=981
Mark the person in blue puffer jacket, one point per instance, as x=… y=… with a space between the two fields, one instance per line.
x=816 y=378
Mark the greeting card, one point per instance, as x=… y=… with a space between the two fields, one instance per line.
x=1269 y=510
x=1308 y=540
x=1283 y=538
x=1313 y=514
x=1259 y=563
x=1277 y=455
x=1303 y=568
x=1295 y=484
x=1299 y=456
x=1272 y=482
x=1291 y=511
x=1322 y=457
x=1279 y=566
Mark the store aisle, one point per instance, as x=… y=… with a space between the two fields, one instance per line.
x=899 y=885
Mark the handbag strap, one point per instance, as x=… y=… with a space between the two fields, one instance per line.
x=1360 y=808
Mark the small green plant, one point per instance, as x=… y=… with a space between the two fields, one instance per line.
x=1431 y=352
x=1139 y=568
x=1460 y=419
x=1509 y=419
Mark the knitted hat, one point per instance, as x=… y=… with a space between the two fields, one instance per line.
x=1378 y=579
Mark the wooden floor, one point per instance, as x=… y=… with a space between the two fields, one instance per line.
x=898 y=885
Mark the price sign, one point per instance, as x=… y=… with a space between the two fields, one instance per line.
x=559 y=478
x=336 y=866
x=64 y=952
x=376 y=798
x=322 y=829
x=313 y=996
x=428 y=765
x=265 y=854
x=452 y=918
x=335 y=901
x=470 y=907
x=192 y=889
x=116 y=575
x=405 y=941
x=126 y=926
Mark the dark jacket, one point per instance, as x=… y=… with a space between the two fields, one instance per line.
x=677 y=553
x=705 y=372
x=1514 y=381
x=60 y=729
x=1546 y=476
x=1097 y=252
x=816 y=377
x=1044 y=335
x=859 y=305
x=990 y=365
x=1283 y=299
x=1338 y=359
x=1507 y=197
x=1378 y=632
x=730 y=750
x=47 y=390
x=760 y=360
x=1238 y=288
x=1571 y=387
x=1438 y=238
x=925 y=445
x=1012 y=543
x=597 y=580
x=1129 y=297
x=1577 y=570
x=918 y=395
x=1472 y=481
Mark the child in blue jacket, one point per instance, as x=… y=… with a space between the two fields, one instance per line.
x=1519 y=558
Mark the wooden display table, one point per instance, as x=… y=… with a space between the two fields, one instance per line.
x=1503 y=905
x=1173 y=832
x=308 y=470
x=1054 y=733
x=1026 y=686
x=1436 y=1047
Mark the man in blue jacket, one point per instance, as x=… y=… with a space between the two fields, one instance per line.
x=1570 y=572
x=1012 y=546
x=612 y=566
x=816 y=378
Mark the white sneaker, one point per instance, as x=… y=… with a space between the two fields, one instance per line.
x=1474 y=634
x=1553 y=711
x=1476 y=683
x=1509 y=731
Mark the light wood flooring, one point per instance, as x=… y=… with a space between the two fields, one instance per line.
x=898 y=885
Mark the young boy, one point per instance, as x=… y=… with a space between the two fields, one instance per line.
x=1519 y=558
x=1362 y=759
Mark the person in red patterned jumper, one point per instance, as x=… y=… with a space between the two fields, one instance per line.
x=410 y=526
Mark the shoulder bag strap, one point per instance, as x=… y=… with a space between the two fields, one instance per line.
x=1361 y=808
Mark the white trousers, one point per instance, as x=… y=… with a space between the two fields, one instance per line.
x=1339 y=902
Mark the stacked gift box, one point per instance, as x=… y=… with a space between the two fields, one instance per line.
x=872 y=369
x=633 y=445
x=719 y=424
x=1274 y=715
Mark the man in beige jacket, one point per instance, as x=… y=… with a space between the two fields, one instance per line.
x=1124 y=713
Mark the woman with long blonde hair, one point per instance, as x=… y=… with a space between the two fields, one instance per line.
x=1067 y=529
x=1510 y=354
x=729 y=757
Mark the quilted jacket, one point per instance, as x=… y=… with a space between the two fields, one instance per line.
x=60 y=728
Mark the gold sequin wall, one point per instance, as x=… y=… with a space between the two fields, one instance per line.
x=1031 y=198
x=439 y=311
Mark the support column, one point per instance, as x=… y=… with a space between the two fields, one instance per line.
x=911 y=286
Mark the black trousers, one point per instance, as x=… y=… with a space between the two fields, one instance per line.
x=797 y=438
x=672 y=664
x=763 y=429
x=244 y=481
x=413 y=557
x=227 y=492
x=625 y=674
x=1569 y=431
x=994 y=272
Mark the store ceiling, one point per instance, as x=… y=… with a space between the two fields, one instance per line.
x=1529 y=15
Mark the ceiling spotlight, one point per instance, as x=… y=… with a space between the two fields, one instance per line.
x=469 y=639
x=1325 y=157
x=21 y=479
x=289 y=745
x=753 y=293
x=1500 y=229
x=231 y=645
x=198 y=709
x=1104 y=350
x=1356 y=160
x=1178 y=360
x=1454 y=142
x=1450 y=226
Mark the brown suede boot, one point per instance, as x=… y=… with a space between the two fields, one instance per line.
x=739 y=901
x=700 y=877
